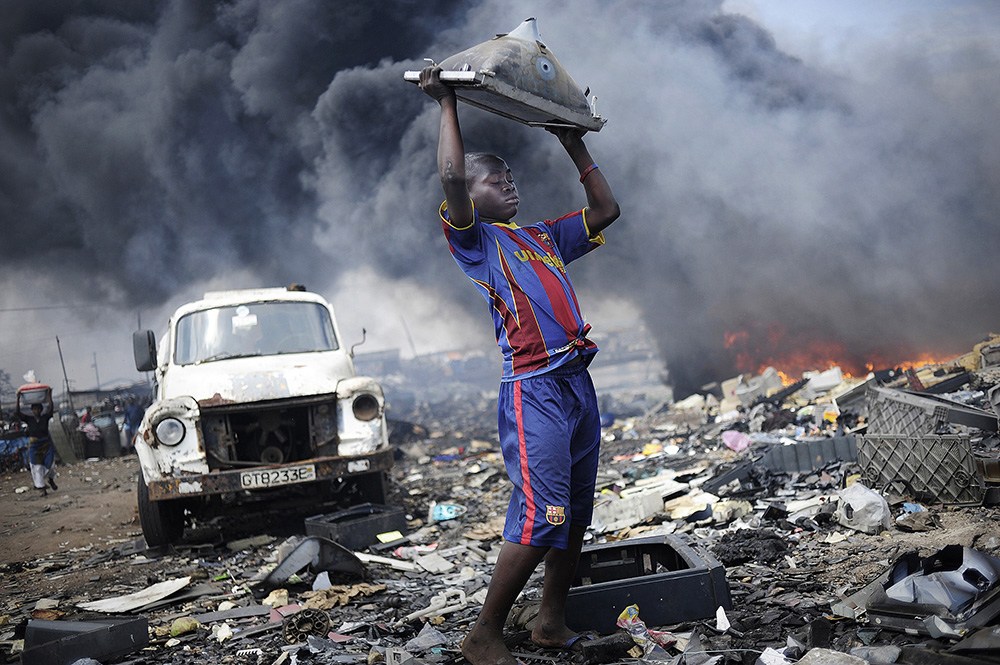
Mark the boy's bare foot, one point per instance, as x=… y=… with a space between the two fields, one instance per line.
x=560 y=639
x=486 y=651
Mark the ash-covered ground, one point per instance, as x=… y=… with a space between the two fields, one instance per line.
x=784 y=574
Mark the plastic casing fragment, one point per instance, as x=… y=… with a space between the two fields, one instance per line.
x=934 y=468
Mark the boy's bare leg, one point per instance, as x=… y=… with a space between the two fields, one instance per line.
x=484 y=643
x=560 y=566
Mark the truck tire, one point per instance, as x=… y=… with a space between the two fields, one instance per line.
x=372 y=487
x=162 y=521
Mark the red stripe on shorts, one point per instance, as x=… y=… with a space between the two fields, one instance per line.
x=529 y=496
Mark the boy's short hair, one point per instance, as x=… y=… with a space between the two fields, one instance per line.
x=476 y=161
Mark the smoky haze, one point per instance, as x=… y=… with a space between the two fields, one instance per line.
x=788 y=204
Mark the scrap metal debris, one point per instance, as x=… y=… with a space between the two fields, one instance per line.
x=755 y=524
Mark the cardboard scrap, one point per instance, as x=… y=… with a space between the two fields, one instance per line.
x=488 y=530
x=338 y=595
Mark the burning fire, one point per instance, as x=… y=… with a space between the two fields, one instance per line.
x=756 y=349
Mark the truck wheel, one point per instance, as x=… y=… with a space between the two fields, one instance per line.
x=162 y=521
x=372 y=487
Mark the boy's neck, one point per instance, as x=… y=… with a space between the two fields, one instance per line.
x=490 y=220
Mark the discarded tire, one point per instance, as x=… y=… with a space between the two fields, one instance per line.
x=162 y=521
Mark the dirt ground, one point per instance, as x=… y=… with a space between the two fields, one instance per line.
x=43 y=540
x=95 y=506
x=77 y=541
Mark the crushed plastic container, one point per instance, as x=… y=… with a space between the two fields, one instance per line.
x=948 y=594
x=359 y=526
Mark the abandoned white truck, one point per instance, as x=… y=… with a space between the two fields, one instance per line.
x=256 y=398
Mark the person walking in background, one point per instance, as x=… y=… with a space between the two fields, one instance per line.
x=41 y=451
x=133 y=416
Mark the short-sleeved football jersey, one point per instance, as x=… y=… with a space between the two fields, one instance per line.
x=521 y=272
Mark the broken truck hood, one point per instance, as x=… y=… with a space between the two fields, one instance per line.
x=239 y=380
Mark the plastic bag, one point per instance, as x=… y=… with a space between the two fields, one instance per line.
x=862 y=509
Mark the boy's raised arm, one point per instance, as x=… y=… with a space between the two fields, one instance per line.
x=602 y=207
x=451 y=150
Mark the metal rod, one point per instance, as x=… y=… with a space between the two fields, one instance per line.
x=69 y=396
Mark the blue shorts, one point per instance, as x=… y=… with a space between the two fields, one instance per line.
x=550 y=434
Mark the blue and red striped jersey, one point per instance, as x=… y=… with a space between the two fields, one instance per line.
x=521 y=271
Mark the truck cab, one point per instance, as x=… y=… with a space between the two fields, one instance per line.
x=256 y=399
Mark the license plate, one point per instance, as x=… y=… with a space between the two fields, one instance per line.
x=288 y=475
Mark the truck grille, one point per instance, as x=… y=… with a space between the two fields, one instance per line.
x=268 y=434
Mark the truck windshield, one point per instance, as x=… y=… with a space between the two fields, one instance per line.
x=253 y=329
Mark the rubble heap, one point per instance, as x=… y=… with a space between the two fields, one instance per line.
x=824 y=521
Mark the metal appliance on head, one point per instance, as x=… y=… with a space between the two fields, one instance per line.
x=516 y=76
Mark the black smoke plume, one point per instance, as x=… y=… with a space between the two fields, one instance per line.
x=153 y=145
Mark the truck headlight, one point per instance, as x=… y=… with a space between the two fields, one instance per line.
x=365 y=407
x=169 y=431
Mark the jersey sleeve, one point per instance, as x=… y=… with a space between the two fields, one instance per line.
x=466 y=243
x=572 y=236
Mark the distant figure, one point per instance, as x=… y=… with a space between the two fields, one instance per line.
x=41 y=451
x=133 y=416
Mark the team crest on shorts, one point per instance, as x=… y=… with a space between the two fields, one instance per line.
x=555 y=515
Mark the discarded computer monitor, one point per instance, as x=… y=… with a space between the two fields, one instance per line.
x=669 y=577
x=516 y=76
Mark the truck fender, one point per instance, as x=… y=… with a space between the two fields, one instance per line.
x=157 y=460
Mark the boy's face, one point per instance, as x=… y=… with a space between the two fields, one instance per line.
x=493 y=191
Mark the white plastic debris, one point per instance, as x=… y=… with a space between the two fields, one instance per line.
x=322 y=581
x=131 y=601
x=221 y=632
x=721 y=620
x=772 y=657
x=434 y=563
x=863 y=509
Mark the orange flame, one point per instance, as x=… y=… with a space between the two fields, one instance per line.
x=754 y=350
